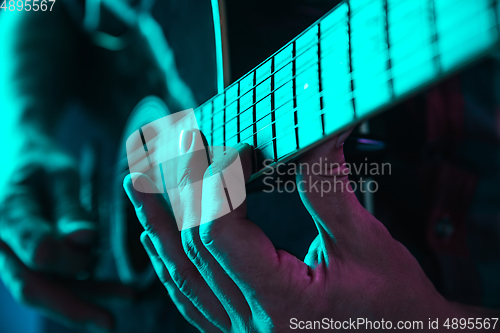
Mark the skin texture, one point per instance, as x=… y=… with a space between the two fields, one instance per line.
x=227 y=276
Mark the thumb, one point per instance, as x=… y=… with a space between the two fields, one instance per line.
x=72 y=221
x=192 y=165
x=323 y=183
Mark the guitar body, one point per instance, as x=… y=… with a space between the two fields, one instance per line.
x=132 y=264
x=229 y=57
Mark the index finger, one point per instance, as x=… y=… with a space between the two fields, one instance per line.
x=240 y=246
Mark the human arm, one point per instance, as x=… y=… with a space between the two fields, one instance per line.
x=232 y=274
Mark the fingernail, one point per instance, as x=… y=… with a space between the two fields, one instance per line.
x=343 y=137
x=135 y=185
x=148 y=245
x=241 y=146
x=186 y=141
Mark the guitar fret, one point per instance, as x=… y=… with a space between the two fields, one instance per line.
x=246 y=117
x=254 y=114
x=435 y=38
x=284 y=101
x=224 y=121
x=336 y=76
x=232 y=117
x=238 y=108
x=263 y=109
x=320 y=80
x=294 y=93
x=388 y=41
x=368 y=38
x=349 y=33
x=212 y=123
x=273 y=107
x=356 y=60
x=411 y=58
x=254 y=109
x=307 y=83
x=219 y=119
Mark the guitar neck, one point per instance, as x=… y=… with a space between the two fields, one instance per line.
x=356 y=61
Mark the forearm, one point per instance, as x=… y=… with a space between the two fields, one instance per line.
x=36 y=71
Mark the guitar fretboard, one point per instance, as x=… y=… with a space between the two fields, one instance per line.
x=356 y=61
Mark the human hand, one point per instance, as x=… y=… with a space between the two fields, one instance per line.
x=47 y=239
x=227 y=276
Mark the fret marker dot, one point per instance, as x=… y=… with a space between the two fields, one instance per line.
x=306 y=86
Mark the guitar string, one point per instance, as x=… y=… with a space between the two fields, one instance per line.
x=385 y=72
x=318 y=114
x=239 y=114
x=334 y=28
x=314 y=45
x=326 y=110
x=314 y=95
x=346 y=98
x=361 y=66
x=325 y=35
x=153 y=141
x=140 y=149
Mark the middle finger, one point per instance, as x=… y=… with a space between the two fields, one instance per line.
x=190 y=178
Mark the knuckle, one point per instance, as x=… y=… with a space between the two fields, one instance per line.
x=183 y=280
x=163 y=274
x=184 y=177
x=212 y=184
x=206 y=236
x=189 y=244
x=209 y=233
x=151 y=215
x=141 y=215
x=149 y=228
